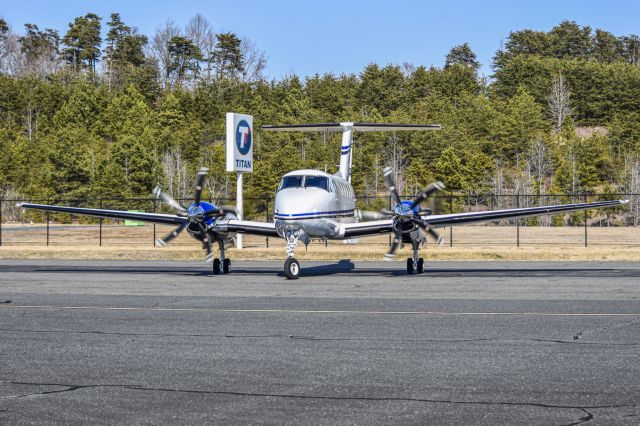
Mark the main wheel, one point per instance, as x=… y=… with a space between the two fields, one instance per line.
x=420 y=266
x=226 y=265
x=216 y=266
x=292 y=268
x=409 y=266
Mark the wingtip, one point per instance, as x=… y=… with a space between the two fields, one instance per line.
x=624 y=201
x=19 y=204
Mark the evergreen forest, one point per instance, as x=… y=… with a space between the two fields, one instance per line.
x=102 y=111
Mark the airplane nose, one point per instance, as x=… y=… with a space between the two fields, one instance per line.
x=298 y=203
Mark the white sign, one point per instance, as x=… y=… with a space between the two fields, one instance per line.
x=239 y=142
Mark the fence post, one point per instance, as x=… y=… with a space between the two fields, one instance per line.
x=450 y=227
x=154 y=224
x=100 y=238
x=267 y=237
x=585 y=221
x=47 y=214
x=518 y=220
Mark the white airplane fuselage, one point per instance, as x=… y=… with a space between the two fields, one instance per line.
x=313 y=203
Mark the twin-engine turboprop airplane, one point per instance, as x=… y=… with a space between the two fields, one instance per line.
x=311 y=204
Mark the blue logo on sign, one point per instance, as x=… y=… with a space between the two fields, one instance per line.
x=243 y=137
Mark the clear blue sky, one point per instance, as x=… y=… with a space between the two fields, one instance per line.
x=344 y=36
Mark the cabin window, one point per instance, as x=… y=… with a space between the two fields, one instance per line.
x=317 y=182
x=290 y=182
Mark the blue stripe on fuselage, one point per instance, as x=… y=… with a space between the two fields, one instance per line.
x=314 y=215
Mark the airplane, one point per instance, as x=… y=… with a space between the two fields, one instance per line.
x=312 y=204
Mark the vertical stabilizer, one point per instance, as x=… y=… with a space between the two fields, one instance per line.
x=345 y=151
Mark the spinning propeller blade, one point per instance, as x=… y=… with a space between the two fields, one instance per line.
x=394 y=245
x=389 y=181
x=430 y=189
x=157 y=192
x=199 y=181
x=172 y=235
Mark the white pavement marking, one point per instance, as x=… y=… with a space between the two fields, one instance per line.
x=350 y=312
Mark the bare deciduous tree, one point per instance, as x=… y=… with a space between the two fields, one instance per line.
x=255 y=61
x=176 y=175
x=559 y=101
x=160 y=49
x=541 y=164
x=201 y=33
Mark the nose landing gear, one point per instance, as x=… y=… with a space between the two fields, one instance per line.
x=416 y=263
x=291 y=265
x=221 y=264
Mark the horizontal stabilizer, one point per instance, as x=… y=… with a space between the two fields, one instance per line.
x=339 y=127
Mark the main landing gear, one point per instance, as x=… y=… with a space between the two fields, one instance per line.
x=291 y=265
x=221 y=264
x=415 y=264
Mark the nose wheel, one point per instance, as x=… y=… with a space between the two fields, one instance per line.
x=417 y=266
x=222 y=264
x=292 y=268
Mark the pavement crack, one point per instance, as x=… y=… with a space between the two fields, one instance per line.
x=580 y=334
x=73 y=387
x=314 y=338
x=586 y=418
x=68 y=388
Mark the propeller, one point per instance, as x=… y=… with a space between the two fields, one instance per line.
x=405 y=217
x=197 y=217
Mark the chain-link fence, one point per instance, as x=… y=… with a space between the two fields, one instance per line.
x=616 y=226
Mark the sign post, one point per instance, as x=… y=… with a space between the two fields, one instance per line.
x=239 y=155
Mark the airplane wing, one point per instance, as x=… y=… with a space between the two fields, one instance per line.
x=454 y=219
x=376 y=227
x=267 y=229
x=168 y=219
x=362 y=229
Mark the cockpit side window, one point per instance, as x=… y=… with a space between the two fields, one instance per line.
x=317 y=182
x=290 y=182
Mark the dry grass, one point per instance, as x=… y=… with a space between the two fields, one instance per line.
x=470 y=243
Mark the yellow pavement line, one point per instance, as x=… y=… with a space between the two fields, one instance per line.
x=351 y=312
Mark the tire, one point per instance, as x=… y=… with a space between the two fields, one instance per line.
x=226 y=266
x=409 y=266
x=420 y=266
x=216 y=266
x=292 y=268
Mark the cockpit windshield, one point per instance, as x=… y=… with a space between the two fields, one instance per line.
x=317 y=182
x=321 y=182
x=290 y=182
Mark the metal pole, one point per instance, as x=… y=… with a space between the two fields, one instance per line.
x=585 y=222
x=451 y=227
x=154 y=225
x=239 y=207
x=267 y=237
x=0 y=221
x=100 y=240
x=518 y=221
x=47 y=228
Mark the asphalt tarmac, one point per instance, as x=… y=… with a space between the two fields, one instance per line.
x=85 y=342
